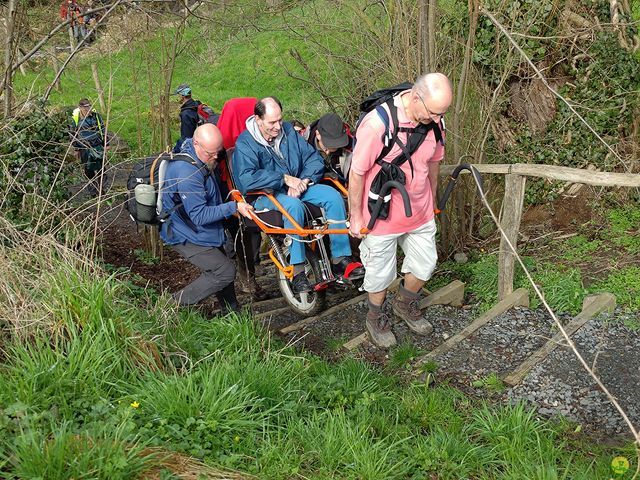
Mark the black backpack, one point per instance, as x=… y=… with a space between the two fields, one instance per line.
x=151 y=172
x=391 y=175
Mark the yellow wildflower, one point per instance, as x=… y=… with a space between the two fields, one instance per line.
x=135 y=404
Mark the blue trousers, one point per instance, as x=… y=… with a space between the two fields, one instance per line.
x=324 y=196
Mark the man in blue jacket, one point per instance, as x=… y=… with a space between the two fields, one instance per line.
x=272 y=155
x=195 y=229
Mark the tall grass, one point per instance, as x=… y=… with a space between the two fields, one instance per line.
x=98 y=380
x=104 y=377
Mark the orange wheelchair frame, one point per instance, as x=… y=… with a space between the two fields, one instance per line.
x=317 y=251
x=297 y=228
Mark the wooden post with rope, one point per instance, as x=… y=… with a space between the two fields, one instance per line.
x=510 y=216
x=512 y=205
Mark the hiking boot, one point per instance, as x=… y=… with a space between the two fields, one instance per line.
x=250 y=286
x=300 y=283
x=92 y=190
x=406 y=306
x=379 y=328
x=348 y=269
x=227 y=300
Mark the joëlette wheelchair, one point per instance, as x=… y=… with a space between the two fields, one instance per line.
x=313 y=233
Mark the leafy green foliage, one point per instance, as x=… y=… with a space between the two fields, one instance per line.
x=492 y=383
x=625 y=228
x=146 y=257
x=403 y=355
x=600 y=83
x=579 y=248
x=118 y=367
x=625 y=285
x=561 y=286
x=223 y=391
x=62 y=453
x=492 y=50
x=34 y=176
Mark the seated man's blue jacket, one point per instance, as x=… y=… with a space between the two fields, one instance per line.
x=200 y=196
x=257 y=166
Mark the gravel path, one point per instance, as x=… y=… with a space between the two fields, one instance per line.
x=558 y=386
x=561 y=386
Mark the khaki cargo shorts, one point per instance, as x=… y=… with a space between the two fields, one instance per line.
x=378 y=255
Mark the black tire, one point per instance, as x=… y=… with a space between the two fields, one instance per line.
x=305 y=304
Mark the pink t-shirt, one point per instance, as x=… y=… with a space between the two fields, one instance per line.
x=368 y=147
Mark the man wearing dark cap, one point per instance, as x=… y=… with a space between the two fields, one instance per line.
x=331 y=137
x=188 y=114
x=88 y=138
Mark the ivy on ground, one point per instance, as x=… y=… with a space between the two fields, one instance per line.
x=32 y=161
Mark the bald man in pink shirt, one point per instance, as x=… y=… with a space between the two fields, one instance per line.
x=425 y=103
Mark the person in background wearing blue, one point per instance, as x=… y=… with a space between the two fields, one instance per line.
x=88 y=138
x=271 y=155
x=194 y=229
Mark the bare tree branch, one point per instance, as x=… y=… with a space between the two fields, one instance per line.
x=72 y=54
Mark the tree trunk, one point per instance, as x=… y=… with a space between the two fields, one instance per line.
x=8 y=58
x=431 y=31
x=23 y=70
x=96 y=79
x=457 y=117
x=72 y=39
x=423 y=37
x=56 y=67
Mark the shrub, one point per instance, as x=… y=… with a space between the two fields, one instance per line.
x=33 y=173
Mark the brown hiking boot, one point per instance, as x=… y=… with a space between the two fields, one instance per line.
x=406 y=306
x=379 y=328
x=251 y=287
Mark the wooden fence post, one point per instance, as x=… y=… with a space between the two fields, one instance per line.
x=510 y=217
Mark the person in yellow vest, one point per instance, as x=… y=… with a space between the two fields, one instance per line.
x=88 y=138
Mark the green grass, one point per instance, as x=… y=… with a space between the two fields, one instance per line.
x=579 y=248
x=403 y=355
x=108 y=374
x=559 y=274
x=625 y=282
x=219 y=64
x=109 y=368
x=492 y=383
x=624 y=225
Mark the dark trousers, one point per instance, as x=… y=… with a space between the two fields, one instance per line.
x=91 y=160
x=218 y=274
x=245 y=247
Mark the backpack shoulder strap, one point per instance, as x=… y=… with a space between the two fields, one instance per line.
x=389 y=117
x=183 y=157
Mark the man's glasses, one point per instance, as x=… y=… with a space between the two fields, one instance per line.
x=429 y=112
x=217 y=154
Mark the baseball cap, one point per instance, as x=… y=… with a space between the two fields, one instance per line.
x=183 y=89
x=333 y=131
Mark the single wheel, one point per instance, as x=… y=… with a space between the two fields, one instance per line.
x=305 y=304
